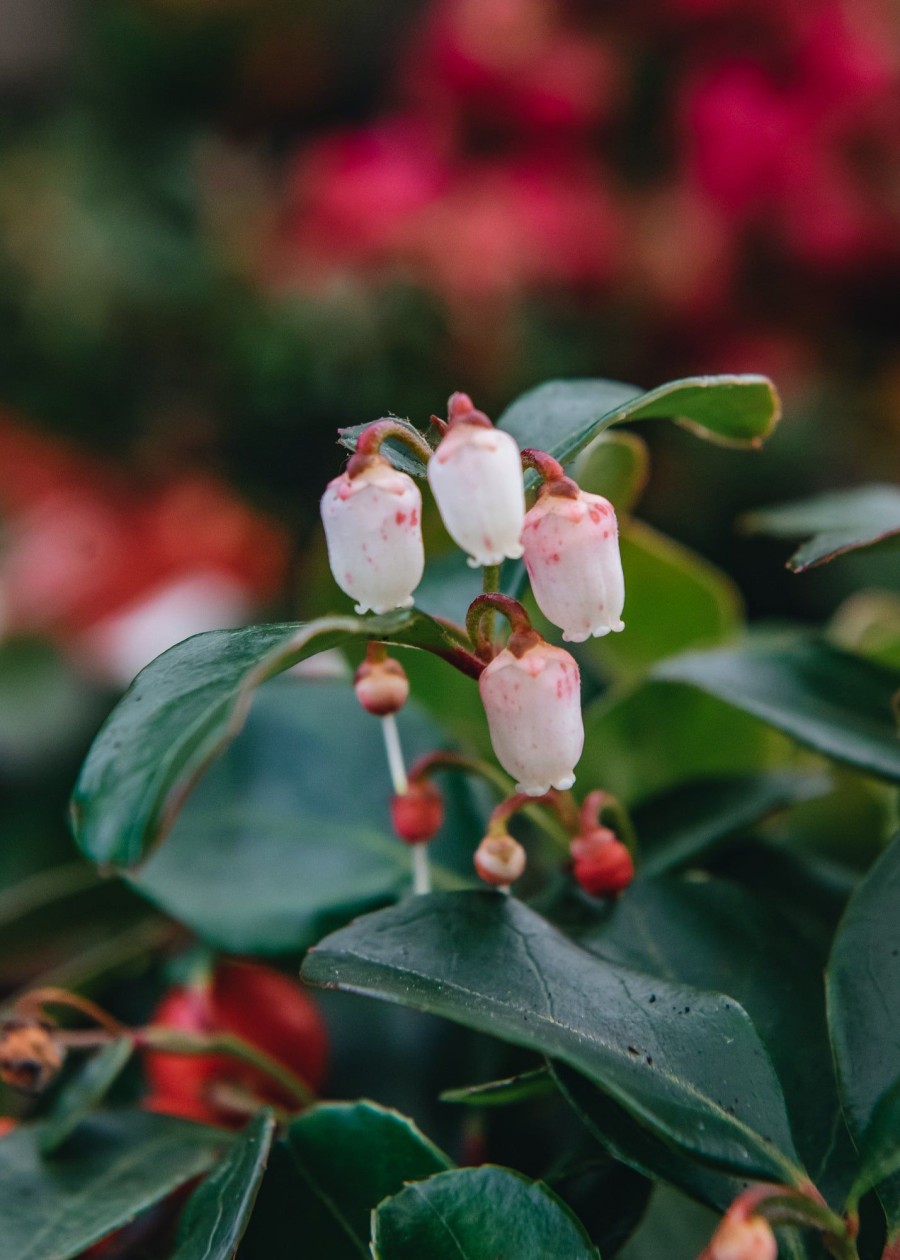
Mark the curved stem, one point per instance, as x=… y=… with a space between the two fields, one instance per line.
x=546 y=467
x=602 y=809
x=33 y=1002
x=512 y=610
x=164 y=1040
x=370 y=440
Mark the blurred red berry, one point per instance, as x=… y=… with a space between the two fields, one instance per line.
x=418 y=815
x=251 y=1001
x=603 y=865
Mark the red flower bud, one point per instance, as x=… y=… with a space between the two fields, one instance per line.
x=750 y=1239
x=603 y=864
x=419 y=814
x=381 y=686
x=262 y=1007
x=500 y=860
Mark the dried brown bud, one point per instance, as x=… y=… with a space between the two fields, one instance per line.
x=500 y=860
x=381 y=686
x=30 y=1056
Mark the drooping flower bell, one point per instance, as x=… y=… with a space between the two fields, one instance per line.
x=372 y=515
x=571 y=544
x=531 y=693
x=750 y=1239
x=476 y=478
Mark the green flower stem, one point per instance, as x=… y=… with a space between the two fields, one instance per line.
x=175 y=1041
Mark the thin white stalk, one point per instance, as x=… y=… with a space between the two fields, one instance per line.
x=396 y=764
x=421 y=872
x=420 y=869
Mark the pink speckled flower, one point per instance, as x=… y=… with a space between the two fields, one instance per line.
x=571 y=542
x=374 y=534
x=476 y=478
x=533 y=706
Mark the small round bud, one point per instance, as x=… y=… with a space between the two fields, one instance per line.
x=749 y=1239
x=30 y=1056
x=500 y=860
x=381 y=686
x=418 y=815
x=603 y=865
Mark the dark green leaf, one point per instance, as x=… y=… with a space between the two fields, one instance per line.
x=562 y=417
x=673 y=1057
x=514 y=1089
x=397 y=452
x=864 y=1005
x=835 y=703
x=674 y=1228
x=675 y=600
x=334 y=1166
x=80 y=1095
x=685 y=824
x=289 y=834
x=657 y=736
x=879 y=1148
x=843 y=521
x=716 y=936
x=217 y=1213
x=485 y=1213
x=184 y=709
x=615 y=465
x=111 y=1169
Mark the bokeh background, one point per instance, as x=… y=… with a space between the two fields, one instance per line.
x=229 y=226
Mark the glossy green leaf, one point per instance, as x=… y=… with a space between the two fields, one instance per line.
x=637 y=1147
x=485 y=1213
x=490 y=963
x=261 y=860
x=879 y=1147
x=616 y=465
x=83 y=1092
x=838 y=522
x=864 y=1004
x=513 y=1089
x=835 y=703
x=110 y=1170
x=687 y=823
x=400 y=455
x=184 y=709
x=656 y=736
x=717 y=936
x=332 y=1168
x=674 y=1228
x=562 y=417
x=675 y=600
x=218 y=1211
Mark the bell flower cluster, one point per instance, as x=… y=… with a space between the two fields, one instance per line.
x=372 y=514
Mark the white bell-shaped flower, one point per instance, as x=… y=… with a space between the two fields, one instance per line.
x=373 y=528
x=533 y=707
x=571 y=543
x=476 y=478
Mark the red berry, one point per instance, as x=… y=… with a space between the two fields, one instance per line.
x=253 y=1002
x=418 y=815
x=603 y=865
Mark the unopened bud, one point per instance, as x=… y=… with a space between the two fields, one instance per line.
x=603 y=865
x=748 y=1239
x=418 y=815
x=381 y=686
x=500 y=860
x=30 y=1056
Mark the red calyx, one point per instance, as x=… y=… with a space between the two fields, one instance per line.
x=250 y=1001
x=603 y=865
x=418 y=815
